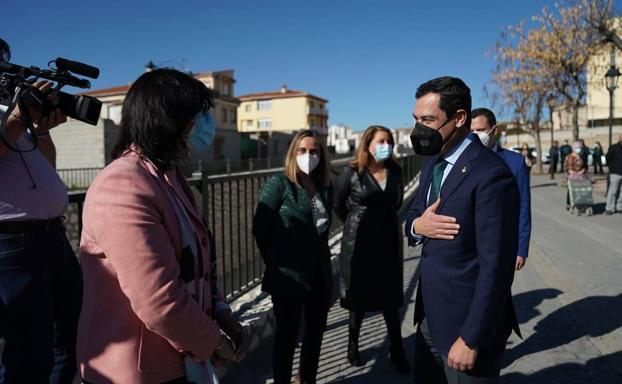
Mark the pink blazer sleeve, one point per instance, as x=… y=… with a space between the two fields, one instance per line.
x=125 y=212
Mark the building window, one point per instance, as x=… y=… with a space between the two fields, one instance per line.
x=264 y=123
x=249 y=124
x=264 y=105
x=248 y=108
x=232 y=116
x=219 y=148
x=223 y=115
x=227 y=90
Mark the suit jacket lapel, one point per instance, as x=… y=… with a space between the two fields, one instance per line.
x=459 y=171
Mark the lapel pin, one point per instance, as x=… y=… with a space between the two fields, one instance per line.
x=464 y=170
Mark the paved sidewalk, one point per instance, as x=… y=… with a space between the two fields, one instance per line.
x=568 y=299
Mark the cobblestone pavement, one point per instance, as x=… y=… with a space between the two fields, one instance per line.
x=568 y=299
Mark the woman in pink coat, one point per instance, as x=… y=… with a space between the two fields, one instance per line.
x=151 y=312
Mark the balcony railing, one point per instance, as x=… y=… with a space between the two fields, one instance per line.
x=228 y=203
x=317 y=111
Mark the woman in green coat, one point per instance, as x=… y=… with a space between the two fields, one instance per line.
x=291 y=230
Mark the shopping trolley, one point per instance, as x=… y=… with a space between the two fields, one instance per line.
x=580 y=191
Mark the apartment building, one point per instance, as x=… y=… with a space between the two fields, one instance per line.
x=268 y=120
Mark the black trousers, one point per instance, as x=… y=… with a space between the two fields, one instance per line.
x=432 y=368
x=598 y=166
x=288 y=312
x=391 y=319
x=553 y=167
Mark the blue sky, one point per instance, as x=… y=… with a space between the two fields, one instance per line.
x=366 y=57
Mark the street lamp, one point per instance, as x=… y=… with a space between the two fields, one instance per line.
x=611 y=77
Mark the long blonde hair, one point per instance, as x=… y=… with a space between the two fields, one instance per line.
x=362 y=156
x=321 y=173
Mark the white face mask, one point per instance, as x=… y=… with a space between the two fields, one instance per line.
x=577 y=150
x=307 y=162
x=484 y=137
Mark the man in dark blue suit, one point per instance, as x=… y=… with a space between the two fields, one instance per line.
x=465 y=215
x=484 y=124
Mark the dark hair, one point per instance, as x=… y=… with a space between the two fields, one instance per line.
x=5 y=51
x=455 y=95
x=156 y=112
x=477 y=112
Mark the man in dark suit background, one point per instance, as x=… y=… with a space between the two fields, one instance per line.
x=554 y=157
x=465 y=214
x=484 y=125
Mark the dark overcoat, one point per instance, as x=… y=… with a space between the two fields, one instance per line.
x=371 y=261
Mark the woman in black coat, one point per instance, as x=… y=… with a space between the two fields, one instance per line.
x=368 y=194
x=291 y=227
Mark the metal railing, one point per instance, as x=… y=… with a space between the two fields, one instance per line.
x=228 y=203
x=78 y=178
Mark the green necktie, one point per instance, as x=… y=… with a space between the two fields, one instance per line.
x=437 y=177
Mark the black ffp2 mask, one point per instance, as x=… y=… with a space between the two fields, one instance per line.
x=427 y=141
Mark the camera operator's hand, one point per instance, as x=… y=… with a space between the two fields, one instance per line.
x=42 y=124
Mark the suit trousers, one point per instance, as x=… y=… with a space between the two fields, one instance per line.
x=553 y=166
x=432 y=367
x=288 y=312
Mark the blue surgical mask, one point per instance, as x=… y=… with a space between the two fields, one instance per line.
x=383 y=152
x=203 y=132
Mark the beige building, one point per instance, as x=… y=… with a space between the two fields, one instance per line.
x=226 y=144
x=594 y=114
x=268 y=120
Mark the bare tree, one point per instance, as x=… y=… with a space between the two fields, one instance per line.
x=602 y=17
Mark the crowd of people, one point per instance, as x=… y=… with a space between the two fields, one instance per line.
x=574 y=161
x=143 y=305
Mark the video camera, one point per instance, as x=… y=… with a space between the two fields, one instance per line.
x=16 y=81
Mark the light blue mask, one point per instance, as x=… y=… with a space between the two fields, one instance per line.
x=203 y=132
x=383 y=152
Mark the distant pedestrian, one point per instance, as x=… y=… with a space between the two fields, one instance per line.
x=597 y=154
x=614 y=162
x=585 y=155
x=554 y=158
x=368 y=194
x=564 y=151
x=528 y=158
x=574 y=167
x=291 y=230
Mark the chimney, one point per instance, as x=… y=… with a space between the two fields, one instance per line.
x=283 y=88
x=150 y=66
